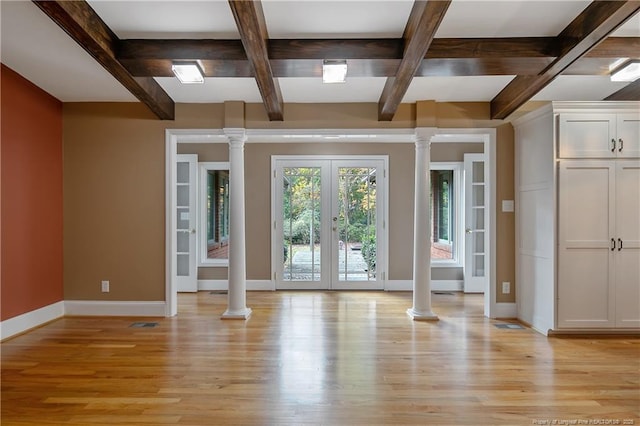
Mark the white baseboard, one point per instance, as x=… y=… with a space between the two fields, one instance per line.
x=222 y=285
x=436 y=285
x=213 y=285
x=398 y=285
x=506 y=310
x=114 y=308
x=261 y=285
x=29 y=320
x=447 y=285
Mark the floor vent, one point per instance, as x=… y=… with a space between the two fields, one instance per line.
x=218 y=292
x=447 y=293
x=143 y=324
x=510 y=326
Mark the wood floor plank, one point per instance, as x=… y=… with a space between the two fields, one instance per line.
x=334 y=358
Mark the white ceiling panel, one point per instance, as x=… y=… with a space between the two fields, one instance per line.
x=508 y=18
x=214 y=90
x=631 y=28
x=336 y=19
x=168 y=19
x=37 y=49
x=578 y=88
x=456 y=89
x=305 y=90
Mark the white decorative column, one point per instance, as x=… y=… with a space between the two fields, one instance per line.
x=237 y=294
x=421 y=310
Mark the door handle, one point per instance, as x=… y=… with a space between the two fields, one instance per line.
x=468 y=231
x=193 y=231
x=620 y=243
x=613 y=145
x=613 y=244
x=621 y=143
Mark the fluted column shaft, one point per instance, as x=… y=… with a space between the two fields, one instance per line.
x=421 y=310
x=237 y=293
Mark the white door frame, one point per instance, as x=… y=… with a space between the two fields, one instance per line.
x=172 y=138
x=492 y=309
x=330 y=268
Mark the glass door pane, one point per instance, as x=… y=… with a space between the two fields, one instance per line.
x=185 y=232
x=476 y=242
x=301 y=223
x=356 y=223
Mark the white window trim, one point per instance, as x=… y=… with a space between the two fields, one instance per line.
x=458 y=254
x=203 y=260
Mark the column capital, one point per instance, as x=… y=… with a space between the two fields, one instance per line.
x=423 y=135
x=237 y=136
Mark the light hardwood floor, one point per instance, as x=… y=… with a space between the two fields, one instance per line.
x=332 y=358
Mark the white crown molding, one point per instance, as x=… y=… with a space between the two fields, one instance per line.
x=330 y=135
x=600 y=106
x=196 y=136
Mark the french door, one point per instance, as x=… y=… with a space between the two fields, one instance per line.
x=476 y=221
x=328 y=223
x=184 y=252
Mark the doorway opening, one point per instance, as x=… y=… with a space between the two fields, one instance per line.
x=329 y=229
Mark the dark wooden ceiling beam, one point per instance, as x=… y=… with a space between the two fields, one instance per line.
x=250 y=21
x=616 y=47
x=423 y=22
x=370 y=57
x=588 y=29
x=181 y=49
x=441 y=48
x=81 y=22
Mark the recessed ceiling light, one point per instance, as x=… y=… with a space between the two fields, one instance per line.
x=628 y=71
x=188 y=72
x=334 y=71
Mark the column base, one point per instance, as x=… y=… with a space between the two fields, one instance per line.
x=422 y=316
x=242 y=314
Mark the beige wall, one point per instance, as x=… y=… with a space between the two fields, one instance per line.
x=114 y=208
x=505 y=222
x=114 y=166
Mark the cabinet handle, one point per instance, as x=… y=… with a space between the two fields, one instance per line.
x=621 y=143
x=613 y=145
x=620 y=242
x=613 y=244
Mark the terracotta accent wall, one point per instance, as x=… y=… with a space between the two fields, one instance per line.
x=31 y=180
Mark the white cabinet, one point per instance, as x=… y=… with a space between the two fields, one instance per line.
x=598 y=243
x=578 y=216
x=599 y=135
x=628 y=135
x=627 y=253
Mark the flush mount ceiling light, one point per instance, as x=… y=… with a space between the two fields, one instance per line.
x=188 y=72
x=334 y=71
x=627 y=71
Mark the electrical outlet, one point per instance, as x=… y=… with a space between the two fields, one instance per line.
x=105 y=286
x=506 y=287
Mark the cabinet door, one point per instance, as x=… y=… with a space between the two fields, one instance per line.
x=585 y=258
x=587 y=136
x=627 y=254
x=628 y=136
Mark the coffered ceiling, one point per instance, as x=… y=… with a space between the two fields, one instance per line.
x=504 y=52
